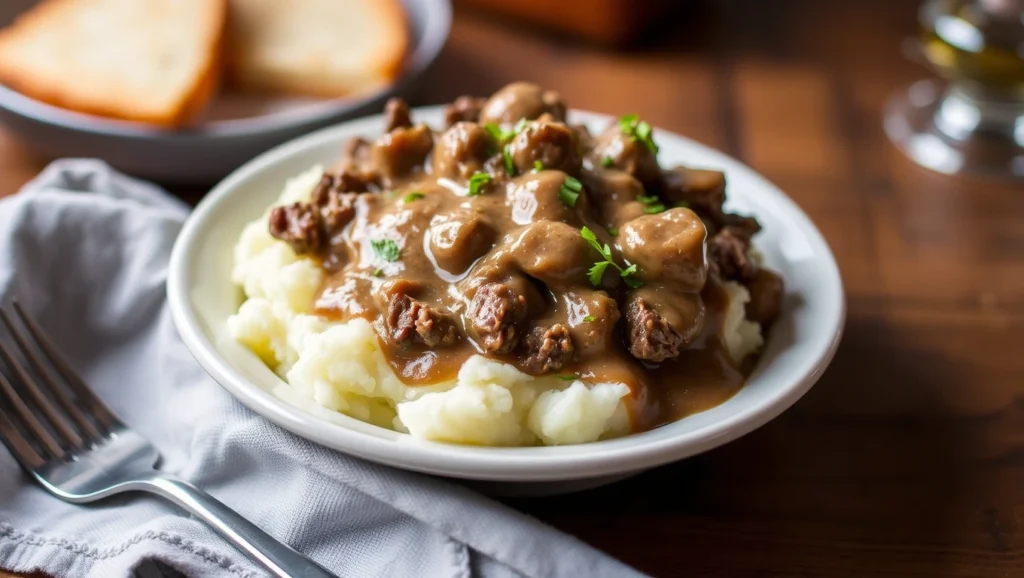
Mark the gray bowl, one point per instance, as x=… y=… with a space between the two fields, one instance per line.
x=205 y=153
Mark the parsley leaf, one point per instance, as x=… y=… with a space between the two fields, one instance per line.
x=510 y=166
x=477 y=182
x=538 y=166
x=613 y=232
x=386 y=249
x=652 y=204
x=569 y=192
x=568 y=377
x=378 y=272
x=589 y=318
x=607 y=162
x=638 y=130
x=596 y=273
x=413 y=196
x=495 y=131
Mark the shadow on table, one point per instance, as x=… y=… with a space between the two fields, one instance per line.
x=865 y=472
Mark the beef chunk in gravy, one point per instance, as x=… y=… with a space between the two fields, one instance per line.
x=513 y=234
x=463 y=109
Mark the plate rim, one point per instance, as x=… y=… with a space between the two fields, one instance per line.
x=629 y=453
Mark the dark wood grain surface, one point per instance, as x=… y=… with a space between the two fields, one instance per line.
x=907 y=458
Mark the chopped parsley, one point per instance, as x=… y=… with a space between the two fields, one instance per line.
x=638 y=130
x=378 y=272
x=569 y=192
x=596 y=272
x=386 y=250
x=589 y=318
x=413 y=196
x=568 y=377
x=651 y=204
x=510 y=166
x=502 y=136
x=607 y=162
x=538 y=166
x=614 y=232
x=477 y=182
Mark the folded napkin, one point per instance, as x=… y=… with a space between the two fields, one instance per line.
x=85 y=249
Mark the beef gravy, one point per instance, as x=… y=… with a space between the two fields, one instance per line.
x=472 y=240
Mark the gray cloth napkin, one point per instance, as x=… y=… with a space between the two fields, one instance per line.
x=85 y=249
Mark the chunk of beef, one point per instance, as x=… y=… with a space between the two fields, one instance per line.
x=463 y=109
x=396 y=115
x=651 y=336
x=627 y=154
x=701 y=190
x=457 y=239
x=411 y=320
x=727 y=251
x=494 y=316
x=522 y=100
x=399 y=152
x=298 y=225
x=667 y=245
x=462 y=150
x=547 y=349
x=551 y=251
x=553 y=144
x=337 y=211
x=743 y=227
x=766 y=290
x=661 y=321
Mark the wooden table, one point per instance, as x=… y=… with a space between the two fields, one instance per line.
x=907 y=458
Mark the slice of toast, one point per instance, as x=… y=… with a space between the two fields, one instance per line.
x=316 y=47
x=152 y=61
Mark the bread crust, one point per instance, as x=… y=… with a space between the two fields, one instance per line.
x=62 y=93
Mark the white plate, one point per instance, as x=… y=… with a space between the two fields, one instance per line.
x=799 y=347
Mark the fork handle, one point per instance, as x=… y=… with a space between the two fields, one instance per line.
x=277 y=557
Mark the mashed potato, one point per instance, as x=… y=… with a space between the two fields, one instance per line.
x=340 y=366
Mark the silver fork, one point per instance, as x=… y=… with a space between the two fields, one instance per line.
x=73 y=445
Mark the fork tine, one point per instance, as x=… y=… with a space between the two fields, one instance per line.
x=29 y=419
x=56 y=421
x=77 y=415
x=16 y=444
x=96 y=407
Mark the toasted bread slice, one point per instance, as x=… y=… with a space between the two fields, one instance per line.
x=316 y=47
x=152 y=61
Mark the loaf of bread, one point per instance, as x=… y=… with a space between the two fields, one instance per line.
x=153 y=61
x=316 y=47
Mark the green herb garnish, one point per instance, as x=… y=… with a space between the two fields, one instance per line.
x=413 y=196
x=378 y=272
x=569 y=192
x=501 y=135
x=596 y=272
x=386 y=249
x=651 y=204
x=638 y=130
x=568 y=377
x=589 y=318
x=683 y=205
x=477 y=182
x=510 y=167
x=613 y=232
x=538 y=166
x=607 y=162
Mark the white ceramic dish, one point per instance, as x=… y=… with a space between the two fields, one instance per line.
x=798 y=349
